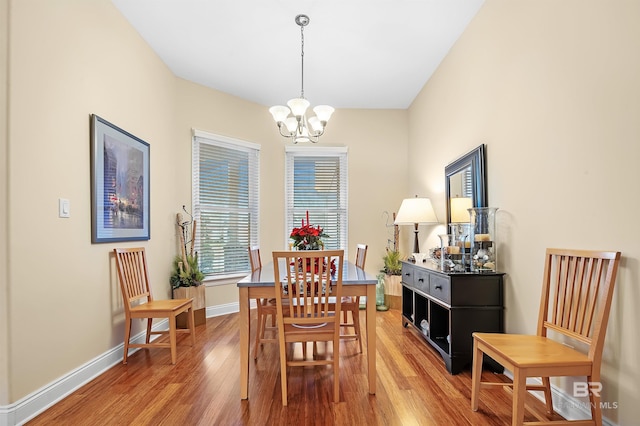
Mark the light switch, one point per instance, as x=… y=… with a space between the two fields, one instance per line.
x=64 y=207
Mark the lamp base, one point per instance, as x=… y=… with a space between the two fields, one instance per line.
x=416 y=245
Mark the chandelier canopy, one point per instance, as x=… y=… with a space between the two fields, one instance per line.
x=292 y=120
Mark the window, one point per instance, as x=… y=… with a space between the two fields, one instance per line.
x=316 y=181
x=225 y=202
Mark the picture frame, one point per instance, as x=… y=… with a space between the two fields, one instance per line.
x=119 y=184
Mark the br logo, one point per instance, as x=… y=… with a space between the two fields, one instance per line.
x=584 y=388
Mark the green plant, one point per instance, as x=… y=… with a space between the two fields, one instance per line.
x=186 y=271
x=186 y=275
x=392 y=265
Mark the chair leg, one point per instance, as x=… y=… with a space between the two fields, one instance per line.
x=283 y=371
x=127 y=336
x=476 y=375
x=172 y=338
x=594 y=399
x=336 y=371
x=519 y=395
x=149 y=323
x=356 y=326
x=192 y=326
x=259 y=331
x=547 y=394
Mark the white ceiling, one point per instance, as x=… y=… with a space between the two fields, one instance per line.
x=358 y=53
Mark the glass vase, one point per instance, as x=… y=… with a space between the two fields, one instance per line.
x=460 y=232
x=451 y=253
x=484 y=248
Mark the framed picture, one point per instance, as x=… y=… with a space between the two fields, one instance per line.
x=119 y=184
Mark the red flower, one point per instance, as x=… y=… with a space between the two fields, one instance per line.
x=308 y=237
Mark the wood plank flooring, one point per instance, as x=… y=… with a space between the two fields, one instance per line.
x=203 y=387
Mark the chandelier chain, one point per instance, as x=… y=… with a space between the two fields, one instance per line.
x=302 y=61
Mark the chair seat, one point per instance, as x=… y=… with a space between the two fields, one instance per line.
x=160 y=306
x=530 y=351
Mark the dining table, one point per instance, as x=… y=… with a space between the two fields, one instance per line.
x=261 y=285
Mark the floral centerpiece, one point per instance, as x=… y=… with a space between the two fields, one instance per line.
x=308 y=237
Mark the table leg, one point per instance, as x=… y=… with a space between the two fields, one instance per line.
x=245 y=322
x=371 y=337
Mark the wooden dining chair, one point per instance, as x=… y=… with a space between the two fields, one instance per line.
x=303 y=280
x=576 y=299
x=351 y=304
x=139 y=303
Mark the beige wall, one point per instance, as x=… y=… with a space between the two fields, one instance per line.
x=69 y=59
x=4 y=338
x=552 y=88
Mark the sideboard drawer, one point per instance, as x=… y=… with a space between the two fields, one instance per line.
x=407 y=274
x=421 y=280
x=440 y=288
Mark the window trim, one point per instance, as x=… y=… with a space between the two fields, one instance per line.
x=231 y=143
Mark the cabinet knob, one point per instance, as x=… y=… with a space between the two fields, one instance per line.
x=438 y=287
x=421 y=280
x=408 y=274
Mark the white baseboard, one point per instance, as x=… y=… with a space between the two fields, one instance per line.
x=30 y=406
x=564 y=404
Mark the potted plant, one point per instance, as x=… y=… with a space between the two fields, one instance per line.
x=186 y=272
x=393 y=271
x=186 y=278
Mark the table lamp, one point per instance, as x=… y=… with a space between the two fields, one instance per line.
x=415 y=211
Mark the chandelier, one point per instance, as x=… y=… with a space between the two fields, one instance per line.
x=296 y=125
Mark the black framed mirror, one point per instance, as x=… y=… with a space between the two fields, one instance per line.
x=466 y=178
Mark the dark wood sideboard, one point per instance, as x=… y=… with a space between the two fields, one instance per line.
x=446 y=308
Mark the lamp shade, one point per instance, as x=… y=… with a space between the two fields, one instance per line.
x=415 y=210
x=279 y=112
x=298 y=106
x=323 y=112
x=459 y=209
x=315 y=124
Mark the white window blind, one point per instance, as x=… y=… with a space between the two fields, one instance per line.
x=316 y=182
x=225 y=202
x=467 y=184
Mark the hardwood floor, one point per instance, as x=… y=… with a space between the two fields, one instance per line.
x=203 y=388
